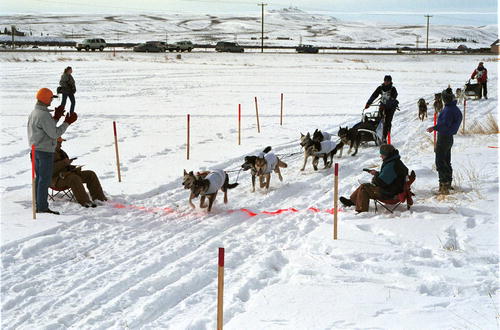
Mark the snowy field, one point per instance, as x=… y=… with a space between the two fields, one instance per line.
x=132 y=264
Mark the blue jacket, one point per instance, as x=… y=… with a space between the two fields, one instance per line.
x=449 y=119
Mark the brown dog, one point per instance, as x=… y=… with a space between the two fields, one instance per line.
x=438 y=102
x=209 y=186
x=189 y=178
x=264 y=166
x=422 y=109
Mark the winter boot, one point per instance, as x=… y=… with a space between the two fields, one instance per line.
x=48 y=211
x=347 y=202
x=443 y=189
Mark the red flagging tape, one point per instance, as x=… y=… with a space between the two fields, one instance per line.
x=246 y=211
x=492 y=147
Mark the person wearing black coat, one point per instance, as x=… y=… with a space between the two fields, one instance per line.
x=388 y=102
x=68 y=88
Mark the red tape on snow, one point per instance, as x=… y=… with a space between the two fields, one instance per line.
x=169 y=210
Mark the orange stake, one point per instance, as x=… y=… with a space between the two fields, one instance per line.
x=116 y=151
x=257 y=115
x=188 y=146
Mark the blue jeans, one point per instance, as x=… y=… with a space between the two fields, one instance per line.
x=71 y=98
x=443 y=158
x=44 y=163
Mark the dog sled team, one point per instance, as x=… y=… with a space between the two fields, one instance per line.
x=387 y=185
x=374 y=126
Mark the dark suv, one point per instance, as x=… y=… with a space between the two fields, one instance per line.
x=307 y=49
x=231 y=47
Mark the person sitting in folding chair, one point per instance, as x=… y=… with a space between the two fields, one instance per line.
x=385 y=184
x=66 y=176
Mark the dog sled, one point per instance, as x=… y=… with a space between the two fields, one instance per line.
x=472 y=89
x=372 y=125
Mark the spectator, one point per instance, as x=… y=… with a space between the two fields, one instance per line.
x=68 y=88
x=385 y=184
x=447 y=125
x=42 y=133
x=66 y=175
x=388 y=102
x=481 y=74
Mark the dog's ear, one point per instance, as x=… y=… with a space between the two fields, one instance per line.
x=308 y=135
x=185 y=173
x=301 y=135
x=191 y=173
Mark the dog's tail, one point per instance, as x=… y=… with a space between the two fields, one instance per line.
x=267 y=149
x=232 y=185
x=282 y=163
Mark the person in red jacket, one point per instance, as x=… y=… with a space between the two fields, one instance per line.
x=481 y=74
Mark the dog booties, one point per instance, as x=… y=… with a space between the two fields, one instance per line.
x=216 y=179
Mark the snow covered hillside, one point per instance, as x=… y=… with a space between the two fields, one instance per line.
x=287 y=27
x=146 y=260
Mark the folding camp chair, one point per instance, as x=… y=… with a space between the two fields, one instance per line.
x=404 y=197
x=61 y=193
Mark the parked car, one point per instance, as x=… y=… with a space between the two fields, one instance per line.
x=307 y=49
x=232 y=47
x=91 y=44
x=181 y=46
x=160 y=44
x=148 y=48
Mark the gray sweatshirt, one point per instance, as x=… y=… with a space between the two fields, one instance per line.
x=42 y=129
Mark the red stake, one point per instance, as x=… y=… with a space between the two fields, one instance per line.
x=435 y=122
x=33 y=181
x=220 y=290
x=335 y=199
x=389 y=137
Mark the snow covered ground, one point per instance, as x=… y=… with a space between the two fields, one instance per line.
x=286 y=27
x=133 y=264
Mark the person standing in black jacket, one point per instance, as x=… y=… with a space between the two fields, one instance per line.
x=68 y=88
x=388 y=102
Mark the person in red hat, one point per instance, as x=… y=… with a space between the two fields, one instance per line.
x=43 y=133
x=481 y=74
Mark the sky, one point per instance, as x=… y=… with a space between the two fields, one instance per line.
x=457 y=12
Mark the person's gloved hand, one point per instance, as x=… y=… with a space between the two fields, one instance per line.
x=71 y=118
x=367 y=106
x=59 y=112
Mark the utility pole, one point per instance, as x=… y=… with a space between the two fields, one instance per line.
x=12 y=29
x=418 y=37
x=427 y=42
x=262 y=36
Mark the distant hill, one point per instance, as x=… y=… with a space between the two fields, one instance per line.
x=286 y=27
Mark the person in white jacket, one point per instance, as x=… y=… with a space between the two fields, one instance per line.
x=43 y=133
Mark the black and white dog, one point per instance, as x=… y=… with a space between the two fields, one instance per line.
x=317 y=149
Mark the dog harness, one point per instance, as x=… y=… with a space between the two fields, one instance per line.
x=271 y=160
x=326 y=147
x=216 y=179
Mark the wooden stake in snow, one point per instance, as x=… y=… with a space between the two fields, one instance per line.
x=220 y=290
x=281 y=112
x=389 y=137
x=117 y=155
x=33 y=181
x=335 y=199
x=435 y=122
x=239 y=124
x=463 y=124
x=257 y=115
x=188 y=130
